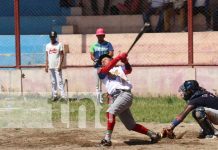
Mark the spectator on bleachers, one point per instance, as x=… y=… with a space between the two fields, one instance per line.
x=106 y=6
x=202 y=6
x=66 y=3
x=174 y=7
x=95 y=9
x=94 y=5
x=126 y=7
x=156 y=7
x=113 y=9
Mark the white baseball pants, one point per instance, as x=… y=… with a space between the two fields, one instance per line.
x=57 y=83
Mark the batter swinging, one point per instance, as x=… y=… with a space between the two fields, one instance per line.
x=119 y=88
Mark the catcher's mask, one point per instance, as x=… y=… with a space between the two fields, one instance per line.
x=188 y=88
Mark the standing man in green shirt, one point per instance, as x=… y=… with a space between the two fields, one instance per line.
x=97 y=49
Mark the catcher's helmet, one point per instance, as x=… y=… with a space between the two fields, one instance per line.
x=188 y=88
x=53 y=34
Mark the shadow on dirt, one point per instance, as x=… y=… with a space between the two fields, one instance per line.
x=137 y=142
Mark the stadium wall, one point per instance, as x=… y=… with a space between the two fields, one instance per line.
x=146 y=80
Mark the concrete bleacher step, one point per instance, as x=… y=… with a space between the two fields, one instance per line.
x=119 y=24
x=69 y=29
x=112 y=24
x=66 y=29
x=74 y=11
x=87 y=24
x=199 y=23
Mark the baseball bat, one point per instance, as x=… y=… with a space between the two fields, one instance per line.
x=66 y=86
x=138 y=36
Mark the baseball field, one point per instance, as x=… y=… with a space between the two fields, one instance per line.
x=35 y=123
x=62 y=138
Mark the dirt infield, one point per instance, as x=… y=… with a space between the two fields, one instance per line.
x=62 y=138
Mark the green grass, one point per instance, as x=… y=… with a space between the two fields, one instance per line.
x=37 y=109
x=158 y=109
x=150 y=109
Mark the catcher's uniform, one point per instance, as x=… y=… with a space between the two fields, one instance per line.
x=202 y=104
x=119 y=87
x=53 y=51
x=210 y=104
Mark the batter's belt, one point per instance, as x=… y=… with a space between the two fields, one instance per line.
x=118 y=92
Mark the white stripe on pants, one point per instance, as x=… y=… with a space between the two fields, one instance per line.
x=57 y=82
x=98 y=82
x=98 y=87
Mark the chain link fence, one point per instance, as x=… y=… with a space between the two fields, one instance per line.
x=7 y=38
x=122 y=20
x=204 y=20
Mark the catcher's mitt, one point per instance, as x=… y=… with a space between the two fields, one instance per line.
x=168 y=133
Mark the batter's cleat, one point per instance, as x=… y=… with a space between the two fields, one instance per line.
x=52 y=99
x=63 y=100
x=105 y=143
x=155 y=137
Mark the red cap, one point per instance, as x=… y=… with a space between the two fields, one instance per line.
x=100 y=31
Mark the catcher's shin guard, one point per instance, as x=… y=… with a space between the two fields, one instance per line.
x=200 y=116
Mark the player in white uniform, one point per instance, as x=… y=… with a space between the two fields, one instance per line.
x=119 y=88
x=54 y=60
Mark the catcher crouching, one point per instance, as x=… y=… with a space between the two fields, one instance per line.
x=119 y=88
x=204 y=108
